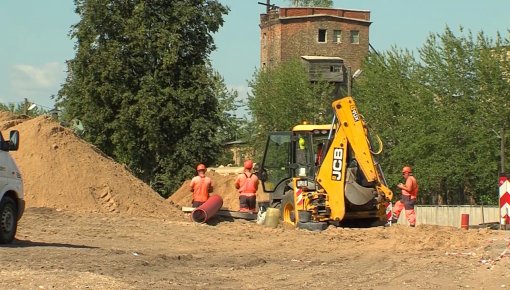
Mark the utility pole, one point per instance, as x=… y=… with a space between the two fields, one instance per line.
x=25 y=107
x=268 y=5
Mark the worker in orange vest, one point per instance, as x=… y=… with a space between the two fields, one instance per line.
x=247 y=184
x=408 y=198
x=201 y=186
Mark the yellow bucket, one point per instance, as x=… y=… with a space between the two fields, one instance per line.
x=272 y=217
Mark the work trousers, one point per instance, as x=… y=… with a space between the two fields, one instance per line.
x=247 y=203
x=407 y=203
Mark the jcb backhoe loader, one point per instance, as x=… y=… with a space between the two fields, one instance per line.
x=326 y=174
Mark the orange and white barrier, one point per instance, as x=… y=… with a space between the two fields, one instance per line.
x=389 y=211
x=504 y=199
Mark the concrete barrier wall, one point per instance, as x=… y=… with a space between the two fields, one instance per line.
x=450 y=215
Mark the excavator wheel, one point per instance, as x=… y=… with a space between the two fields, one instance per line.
x=287 y=208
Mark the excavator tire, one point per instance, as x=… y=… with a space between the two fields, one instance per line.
x=313 y=226
x=287 y=208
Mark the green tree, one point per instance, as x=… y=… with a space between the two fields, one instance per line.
x=439 y=113
x=22 y=108
x=312 y=3
x=282 y=97
x=142 y=85
x=382 y=93
x=233 y=128
x=467 y=75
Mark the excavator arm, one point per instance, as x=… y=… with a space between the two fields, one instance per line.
x=349 y=141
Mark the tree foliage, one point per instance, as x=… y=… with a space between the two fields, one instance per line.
x=441 y=113
x=22 y=108
x=282 y=97
x=233 y=128
x=312 y=3
x=143 y=87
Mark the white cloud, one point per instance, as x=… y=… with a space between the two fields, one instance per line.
x=36 y=83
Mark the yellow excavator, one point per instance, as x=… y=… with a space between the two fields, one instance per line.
x=319 y=175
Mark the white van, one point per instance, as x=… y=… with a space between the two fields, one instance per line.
x=12 y=203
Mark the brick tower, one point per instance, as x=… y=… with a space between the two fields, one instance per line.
x=327 y=40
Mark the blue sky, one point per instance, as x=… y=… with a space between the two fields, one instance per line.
x=35 y=44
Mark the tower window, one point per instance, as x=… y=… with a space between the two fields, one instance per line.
x=322 y=36
x=337 y=36
x=354 y=36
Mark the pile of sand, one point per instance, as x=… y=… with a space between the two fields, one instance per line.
x=223 y=183
x=60 y=170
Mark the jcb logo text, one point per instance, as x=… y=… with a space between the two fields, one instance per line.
x=355 y=114
x=338 y=157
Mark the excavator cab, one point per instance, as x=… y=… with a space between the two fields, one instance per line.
x=288 y=155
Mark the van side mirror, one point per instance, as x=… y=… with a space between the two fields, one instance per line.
x=13 y=143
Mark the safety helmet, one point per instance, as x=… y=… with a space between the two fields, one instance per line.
x=248 y=164
x=407 y=169
x=201 y=167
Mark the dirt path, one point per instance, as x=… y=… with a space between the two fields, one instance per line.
x=63 y=250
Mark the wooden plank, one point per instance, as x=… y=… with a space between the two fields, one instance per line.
x=190 y=209
x=227 y=213
x=187 y=209
x=237 y=214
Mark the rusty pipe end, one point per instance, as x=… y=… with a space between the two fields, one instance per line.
x=199 y=215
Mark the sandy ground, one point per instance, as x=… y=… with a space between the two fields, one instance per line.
x=91 y=224
x=59 y=249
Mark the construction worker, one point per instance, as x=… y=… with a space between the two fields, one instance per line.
x=408 y=197
x=302 y=158
x=247 y=184
x=201 y=186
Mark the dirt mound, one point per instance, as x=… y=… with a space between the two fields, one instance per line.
x=223 y=186
x=62 y=171
x=8 y=119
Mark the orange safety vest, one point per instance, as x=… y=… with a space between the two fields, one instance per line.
x=248 y=185
x=201 y=187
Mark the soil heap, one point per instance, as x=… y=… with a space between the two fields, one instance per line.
x=62 y=171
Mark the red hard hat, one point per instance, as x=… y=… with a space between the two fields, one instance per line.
x=248 y=164
x=201 y=167
x=407 y=169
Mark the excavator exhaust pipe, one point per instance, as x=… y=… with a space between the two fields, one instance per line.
x=207 y=210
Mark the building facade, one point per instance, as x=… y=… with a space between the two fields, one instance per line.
x=298 y=32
